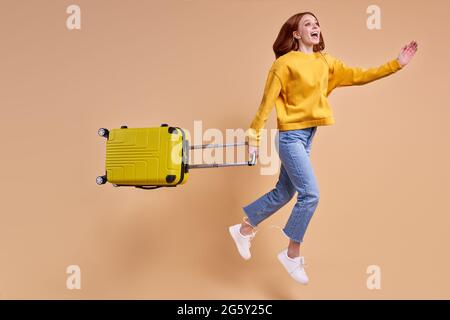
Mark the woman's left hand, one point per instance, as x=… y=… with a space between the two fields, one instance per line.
x=407 y=53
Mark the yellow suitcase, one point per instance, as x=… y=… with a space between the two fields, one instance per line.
x=150 y=158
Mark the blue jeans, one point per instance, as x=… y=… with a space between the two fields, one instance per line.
x=296 y=175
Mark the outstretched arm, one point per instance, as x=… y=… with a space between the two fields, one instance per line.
x=343 y=75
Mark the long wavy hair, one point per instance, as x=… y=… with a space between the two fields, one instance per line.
x=286 y=42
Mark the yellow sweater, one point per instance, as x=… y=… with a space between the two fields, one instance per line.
x=298 y=85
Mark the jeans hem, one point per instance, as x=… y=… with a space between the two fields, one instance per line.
x=295 y=240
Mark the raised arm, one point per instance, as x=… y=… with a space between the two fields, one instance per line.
x=271 y=92
x=342 y=75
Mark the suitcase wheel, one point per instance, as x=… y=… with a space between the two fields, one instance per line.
x=123 y=127
x=164 y=125
x=101 y=180
x=172 y=130
x=170 y=178
x=102 y=132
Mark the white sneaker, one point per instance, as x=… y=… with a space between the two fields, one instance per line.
x=294 y=266
x=242 y=242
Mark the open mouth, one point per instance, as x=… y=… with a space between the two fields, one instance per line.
x=315 y=34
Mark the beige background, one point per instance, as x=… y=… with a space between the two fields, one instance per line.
x=382 y=168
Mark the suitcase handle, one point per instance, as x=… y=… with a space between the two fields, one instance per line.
x=142 y=187
x=147 y=187
x=205 y=146
x=251 y=162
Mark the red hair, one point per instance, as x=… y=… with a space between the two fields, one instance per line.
x=286 y=42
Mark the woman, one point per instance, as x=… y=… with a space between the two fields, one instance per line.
x=298 y=84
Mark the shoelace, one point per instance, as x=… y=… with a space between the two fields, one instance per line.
x=252 y=235
x=250 y=238
x=302 y=262
x=254 y=232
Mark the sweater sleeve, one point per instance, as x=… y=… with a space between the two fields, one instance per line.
x=342 y=75
x=271 y=92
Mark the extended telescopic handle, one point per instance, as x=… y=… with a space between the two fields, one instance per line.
x=205 y=146
x=251 y=162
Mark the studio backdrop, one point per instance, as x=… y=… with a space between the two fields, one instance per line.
x=68 y=68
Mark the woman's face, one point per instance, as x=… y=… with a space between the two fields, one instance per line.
x=308 y=30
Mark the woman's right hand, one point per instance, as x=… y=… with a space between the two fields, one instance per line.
x=252 y=150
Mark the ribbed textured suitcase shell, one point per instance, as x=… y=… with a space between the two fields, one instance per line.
x=145 y=156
